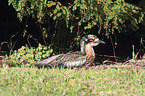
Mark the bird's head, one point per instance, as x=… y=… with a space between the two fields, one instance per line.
x=91 y=40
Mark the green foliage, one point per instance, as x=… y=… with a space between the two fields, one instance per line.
x=27 y=56
x=142 y=5
x=77 y=39
x=72 y=82
x=39 y=9
x=105 y=14
x=108 y=15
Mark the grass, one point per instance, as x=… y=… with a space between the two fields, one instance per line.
x=43 y=82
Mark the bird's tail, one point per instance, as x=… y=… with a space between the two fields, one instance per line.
x=42 y=63
x=47 y=62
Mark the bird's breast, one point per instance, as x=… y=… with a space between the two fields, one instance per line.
x=90 y=54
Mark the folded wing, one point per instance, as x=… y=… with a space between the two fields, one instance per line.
x=65 y=60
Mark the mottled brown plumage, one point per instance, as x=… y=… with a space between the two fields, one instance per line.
x=74 y=59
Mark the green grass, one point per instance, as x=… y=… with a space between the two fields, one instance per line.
x=46 y=82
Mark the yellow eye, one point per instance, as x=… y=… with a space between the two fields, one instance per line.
x=91 y=40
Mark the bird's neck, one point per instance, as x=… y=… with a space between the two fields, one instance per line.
x=88 y=51
x=82 y=45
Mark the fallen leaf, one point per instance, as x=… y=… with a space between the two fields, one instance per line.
x=72 y=82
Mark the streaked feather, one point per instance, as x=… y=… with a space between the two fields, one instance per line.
x=78 y=58
x=66 y=60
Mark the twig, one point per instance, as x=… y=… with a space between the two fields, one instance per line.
x=142 y=43
x=42 y=34
x=113 y=48
x=133 y=55
x=2 y=44
x=108 y=56
x=12 y=45
x=71 y=5
x=100 y=28
x=28 y=40
x=35 y=40
x=78 y=31
x=55 y=30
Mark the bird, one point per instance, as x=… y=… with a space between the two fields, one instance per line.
x=74 y=59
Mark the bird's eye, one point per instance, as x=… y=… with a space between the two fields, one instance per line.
x=91 y=40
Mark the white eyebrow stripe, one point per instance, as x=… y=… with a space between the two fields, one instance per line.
x=97 y=39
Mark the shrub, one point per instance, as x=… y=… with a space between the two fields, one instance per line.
x=109 y=15
x=27 y=56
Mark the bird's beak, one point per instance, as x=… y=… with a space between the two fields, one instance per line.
x=100 y=41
